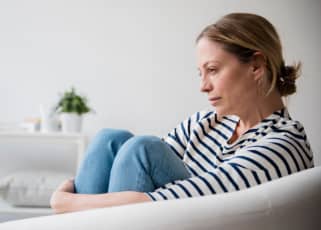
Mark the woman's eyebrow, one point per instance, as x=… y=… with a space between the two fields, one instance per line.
x=211 y=61
x=206 y=63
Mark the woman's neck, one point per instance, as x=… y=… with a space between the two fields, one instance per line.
x=259 y=109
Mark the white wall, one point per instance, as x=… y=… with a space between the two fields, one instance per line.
x=135 y=59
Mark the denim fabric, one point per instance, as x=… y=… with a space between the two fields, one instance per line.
x=116 y=160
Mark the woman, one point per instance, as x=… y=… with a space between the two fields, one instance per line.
x=248 y=139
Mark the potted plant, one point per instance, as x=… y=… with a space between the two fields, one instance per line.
x=71 y=107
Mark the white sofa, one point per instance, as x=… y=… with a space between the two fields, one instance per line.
x=292 y=202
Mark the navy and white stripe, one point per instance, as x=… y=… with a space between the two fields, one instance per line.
x=274 y=148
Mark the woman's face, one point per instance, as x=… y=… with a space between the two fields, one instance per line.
x=229 y=83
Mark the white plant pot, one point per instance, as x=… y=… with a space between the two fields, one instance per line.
x=71 y=122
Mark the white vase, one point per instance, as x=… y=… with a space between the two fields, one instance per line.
x=49 y=119
x=71 y=122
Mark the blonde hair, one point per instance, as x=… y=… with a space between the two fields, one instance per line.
x=243 y=34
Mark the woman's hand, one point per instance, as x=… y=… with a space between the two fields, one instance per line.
x=61 y=199
x=65 y=200
x=67 y=186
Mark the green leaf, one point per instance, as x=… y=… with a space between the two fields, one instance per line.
x=71 y=102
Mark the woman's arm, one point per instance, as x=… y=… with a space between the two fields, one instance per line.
x=65 y=200
x=276 y=155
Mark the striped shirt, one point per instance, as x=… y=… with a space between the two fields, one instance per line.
x=274 y=148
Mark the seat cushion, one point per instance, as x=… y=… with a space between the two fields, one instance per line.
x=30 y=188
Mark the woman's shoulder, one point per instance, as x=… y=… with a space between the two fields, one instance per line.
x=288 y=136
x=286 y=125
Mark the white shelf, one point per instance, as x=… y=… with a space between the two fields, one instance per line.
x=54 y=137
x=18 y=134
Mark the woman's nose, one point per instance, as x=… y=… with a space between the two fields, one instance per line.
x=205 y=85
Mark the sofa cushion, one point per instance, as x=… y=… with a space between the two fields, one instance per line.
x=30 y=188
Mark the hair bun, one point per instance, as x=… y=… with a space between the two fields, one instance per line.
x=286 y=80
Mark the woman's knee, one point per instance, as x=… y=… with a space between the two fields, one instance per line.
x=140 y=146
x=108 y=140
x=109 y=135
x=143 y=142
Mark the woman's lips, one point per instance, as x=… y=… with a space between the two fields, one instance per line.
x=214 y=100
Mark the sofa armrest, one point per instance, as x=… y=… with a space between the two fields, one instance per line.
x=292 y=202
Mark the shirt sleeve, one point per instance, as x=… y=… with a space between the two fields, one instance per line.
x=180 y=135
x=273 y=156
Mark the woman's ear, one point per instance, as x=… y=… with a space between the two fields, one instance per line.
x=258 y=65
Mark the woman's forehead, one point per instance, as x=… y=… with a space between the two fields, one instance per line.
x=210 y=52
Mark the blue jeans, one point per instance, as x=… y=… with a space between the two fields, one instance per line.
x=116 y=160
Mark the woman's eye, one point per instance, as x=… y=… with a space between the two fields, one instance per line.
x=212 y=70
